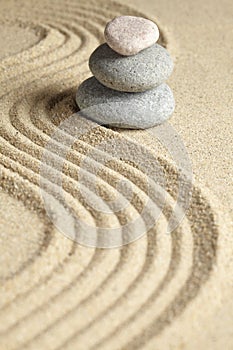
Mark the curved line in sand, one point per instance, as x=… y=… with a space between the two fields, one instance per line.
x=201 y=246
x=114 y=270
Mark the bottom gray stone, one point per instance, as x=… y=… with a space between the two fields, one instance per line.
x=134 y=110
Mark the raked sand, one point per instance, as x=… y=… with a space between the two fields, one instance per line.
x=161 y=291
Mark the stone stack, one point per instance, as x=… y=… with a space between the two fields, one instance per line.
x=130 y=69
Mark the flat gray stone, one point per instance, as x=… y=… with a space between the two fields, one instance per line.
x=123 y=109
x=129 y=35
x=141 y=72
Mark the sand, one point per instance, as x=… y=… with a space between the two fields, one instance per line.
x=161 y=291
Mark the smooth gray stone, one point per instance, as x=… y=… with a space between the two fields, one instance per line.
x=141 y=72
x=139 y=110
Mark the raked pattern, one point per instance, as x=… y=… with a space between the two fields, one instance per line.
x=67 y=296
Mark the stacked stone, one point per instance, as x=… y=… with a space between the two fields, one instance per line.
x=130 y=69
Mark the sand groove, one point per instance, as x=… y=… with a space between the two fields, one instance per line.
x=69 y=296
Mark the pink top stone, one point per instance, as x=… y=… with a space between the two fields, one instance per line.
x=129 y=35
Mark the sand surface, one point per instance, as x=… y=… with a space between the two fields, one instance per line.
x=161 y=291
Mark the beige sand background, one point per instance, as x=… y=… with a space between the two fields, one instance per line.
x=162 y=291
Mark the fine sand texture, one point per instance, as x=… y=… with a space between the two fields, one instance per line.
x=163 y=291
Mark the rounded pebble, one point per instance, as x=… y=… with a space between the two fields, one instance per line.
x=141 y=72
x=129 y=35
x=126 y=110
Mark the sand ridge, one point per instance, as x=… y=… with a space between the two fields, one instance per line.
x=70 y=296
